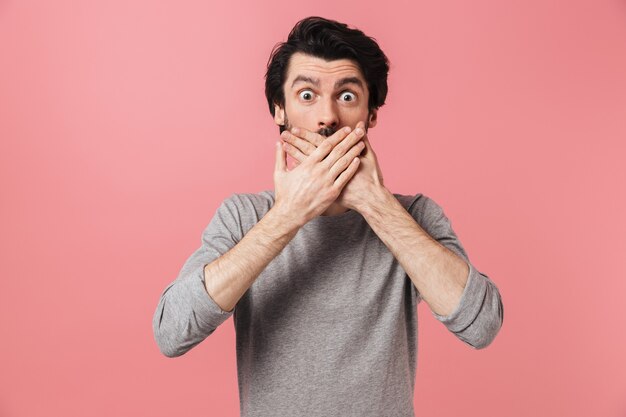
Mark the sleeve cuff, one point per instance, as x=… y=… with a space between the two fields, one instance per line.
x=470 y=304
x=207 y=312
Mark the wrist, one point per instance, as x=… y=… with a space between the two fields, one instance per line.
x=282 y=219
x=377 y=196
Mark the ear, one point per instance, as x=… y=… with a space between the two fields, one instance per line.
x=279 y=115
x=373 y=118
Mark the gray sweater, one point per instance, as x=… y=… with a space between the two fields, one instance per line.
x=329 y=328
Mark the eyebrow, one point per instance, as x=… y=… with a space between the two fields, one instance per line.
x=338 y=84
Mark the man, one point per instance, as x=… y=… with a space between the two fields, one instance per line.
x=324 y=274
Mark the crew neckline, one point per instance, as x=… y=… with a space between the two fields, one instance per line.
x=350 y=214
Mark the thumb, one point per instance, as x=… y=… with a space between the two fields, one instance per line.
x=368 y=148
x=281 y=163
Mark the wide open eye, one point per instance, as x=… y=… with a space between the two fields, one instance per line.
x=306 y=95
x=348 y=96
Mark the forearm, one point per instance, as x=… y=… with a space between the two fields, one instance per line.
x=438 y=273
x=228 y=277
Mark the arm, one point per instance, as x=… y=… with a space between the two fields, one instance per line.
x=215 y=277
x=465 y=300
x=437 y=272
x=230 y=276
x=433 y=259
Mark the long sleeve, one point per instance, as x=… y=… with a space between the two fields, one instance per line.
x=186 y=314
x=479 y=315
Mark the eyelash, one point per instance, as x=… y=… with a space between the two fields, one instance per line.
x=342 y=93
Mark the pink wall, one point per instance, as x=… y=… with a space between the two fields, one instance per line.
x=123 y=125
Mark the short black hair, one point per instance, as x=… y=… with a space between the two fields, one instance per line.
x=329 y=40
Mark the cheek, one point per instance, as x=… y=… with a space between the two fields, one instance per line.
x=355 y=115
x=303 y=116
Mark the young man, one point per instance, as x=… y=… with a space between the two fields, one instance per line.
x=324 y=274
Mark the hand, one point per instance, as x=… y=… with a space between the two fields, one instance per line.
x=307 y=190
x=302 y=143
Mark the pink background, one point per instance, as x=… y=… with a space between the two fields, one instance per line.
x=124 y=124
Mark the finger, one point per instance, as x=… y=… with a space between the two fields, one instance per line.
x=369 y=152
x=343 y=147
x=343 y=162
x=301 y=144
x=366 y=151
x=327 y=145
x=312 y=137
x=347 y=174
x=281 y=162
x=315 y=138
x=294 y=152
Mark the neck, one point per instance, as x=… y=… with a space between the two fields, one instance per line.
x=335 y=209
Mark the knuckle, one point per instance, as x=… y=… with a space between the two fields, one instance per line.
x=345 y=163
x=316 y=140
x=316 y=170
x=331 y=193
x=340 y=135
x=340 y=149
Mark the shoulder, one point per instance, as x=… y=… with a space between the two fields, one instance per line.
x=423 y=208
x=251 y=202
x=246 y=209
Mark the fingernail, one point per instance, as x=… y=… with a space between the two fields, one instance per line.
x=358 y=131
x=295 y=130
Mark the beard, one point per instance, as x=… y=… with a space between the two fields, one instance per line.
x=325 y=131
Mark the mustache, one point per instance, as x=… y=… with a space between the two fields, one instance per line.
x=329 y=131
x=326 y=131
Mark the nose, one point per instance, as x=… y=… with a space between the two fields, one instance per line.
x=328 y=117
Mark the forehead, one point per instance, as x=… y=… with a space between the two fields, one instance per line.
x=325 y=71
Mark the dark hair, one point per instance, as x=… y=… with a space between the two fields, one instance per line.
x=329 y=40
